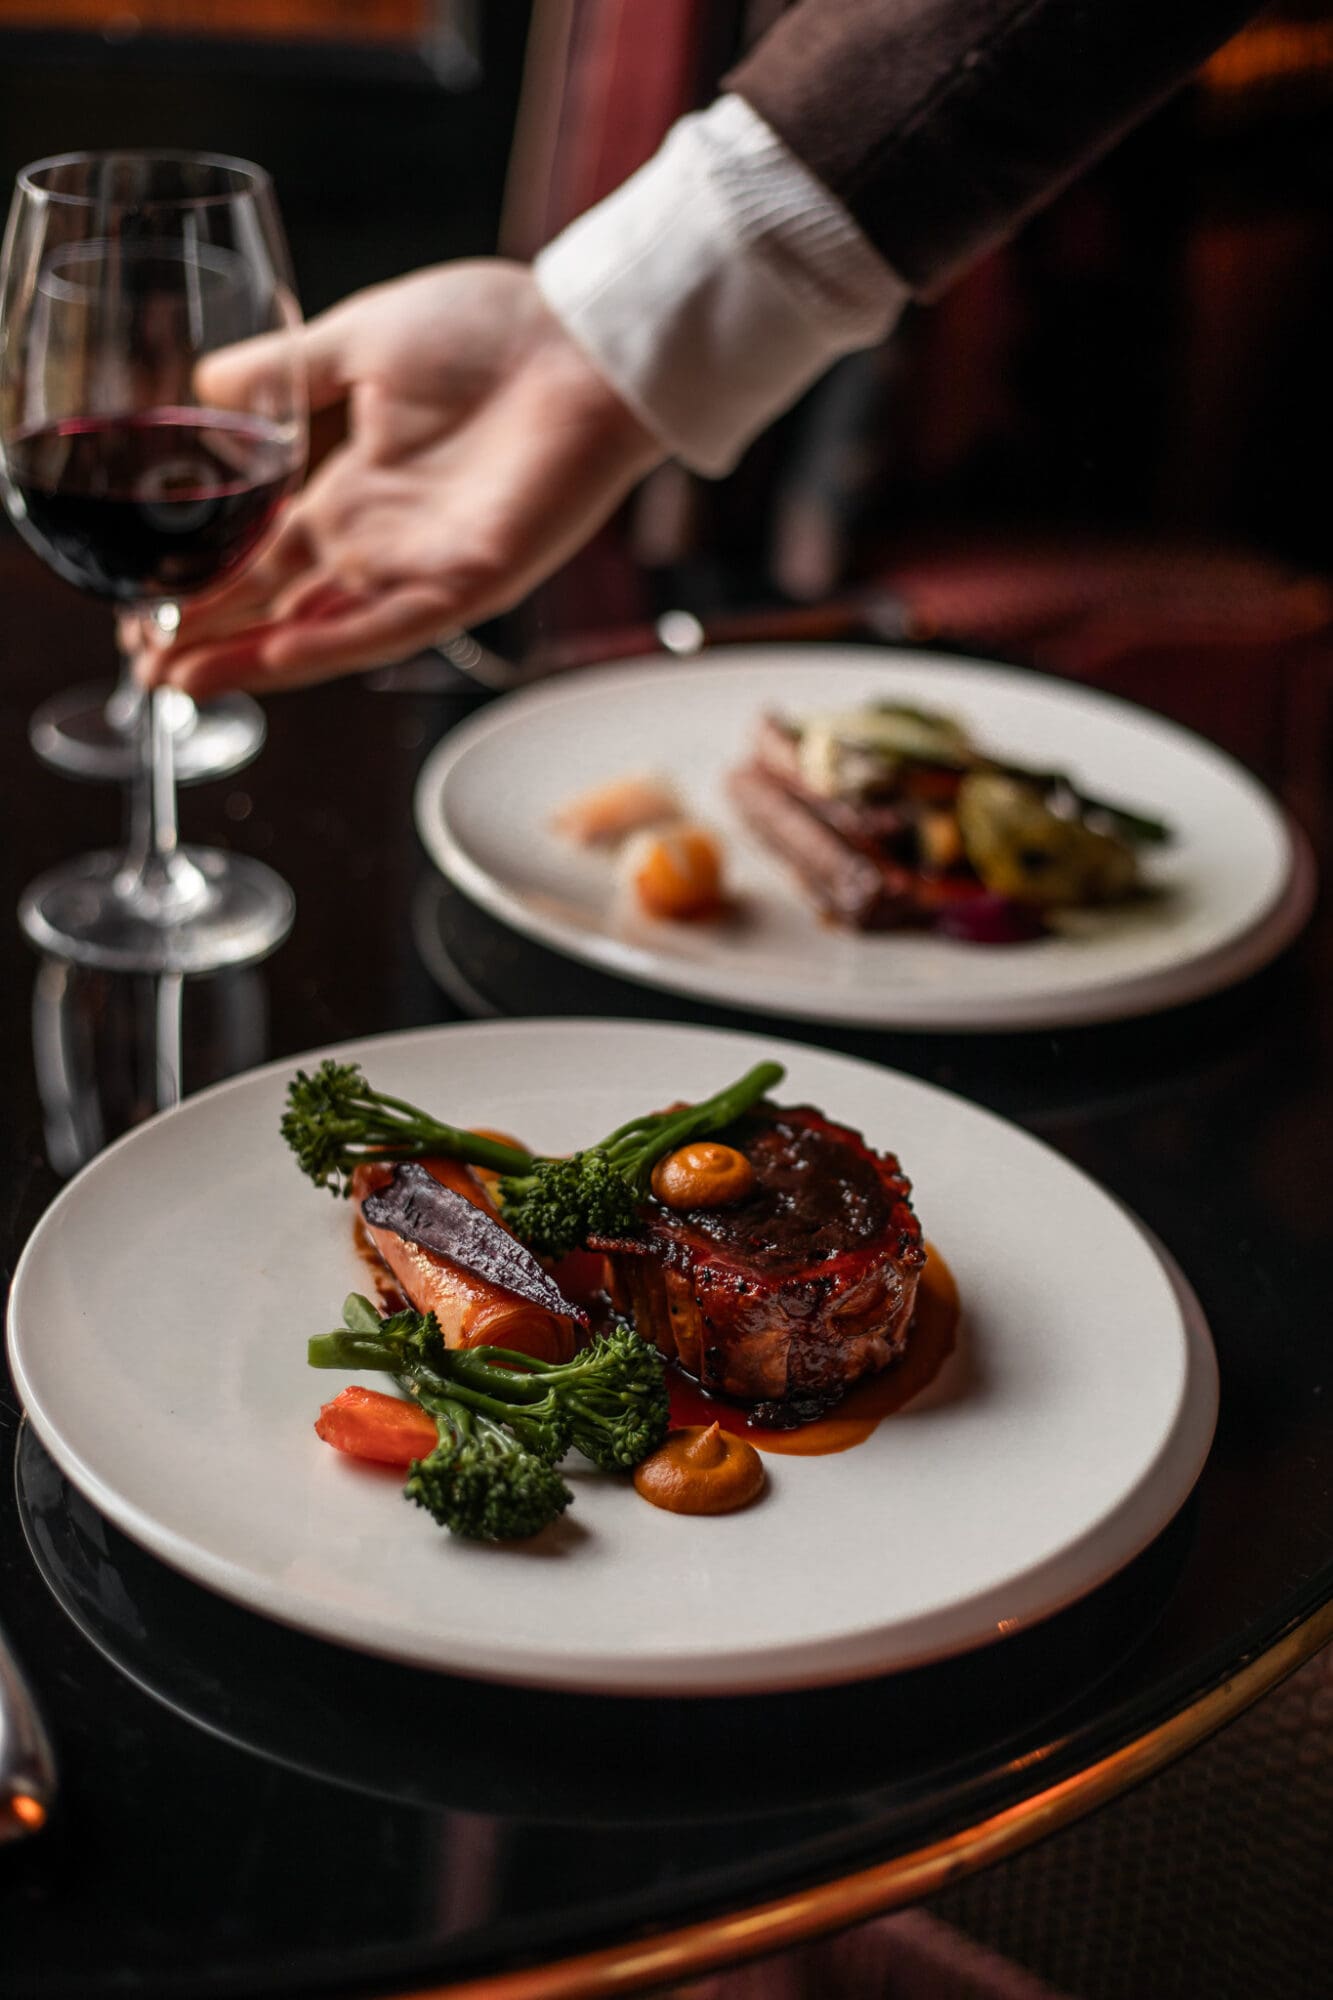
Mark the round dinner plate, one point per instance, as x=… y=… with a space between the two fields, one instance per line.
x=157 y=1332
x=1233 y=887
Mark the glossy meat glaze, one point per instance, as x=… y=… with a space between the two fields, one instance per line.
x=796 y=1292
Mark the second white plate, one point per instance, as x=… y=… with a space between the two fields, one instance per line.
x=1236 y=883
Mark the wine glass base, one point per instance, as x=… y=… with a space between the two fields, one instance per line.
x=79 y=912
x=75 y=733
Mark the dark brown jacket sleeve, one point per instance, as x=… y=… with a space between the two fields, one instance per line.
x=941 y=123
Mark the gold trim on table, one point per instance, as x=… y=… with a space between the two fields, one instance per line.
x=832 y=1906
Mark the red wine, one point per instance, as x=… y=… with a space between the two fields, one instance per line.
x=153 y=505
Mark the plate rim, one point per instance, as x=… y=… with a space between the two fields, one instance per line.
x=930 y=1012
x=1138 y=1516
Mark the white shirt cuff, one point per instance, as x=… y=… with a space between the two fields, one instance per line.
x=717 y=283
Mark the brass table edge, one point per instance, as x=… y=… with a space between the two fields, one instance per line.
x=796 y=1919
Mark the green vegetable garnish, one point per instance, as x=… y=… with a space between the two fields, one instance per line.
x=334 y=1122
x=504 y=1418
x=481 y=1483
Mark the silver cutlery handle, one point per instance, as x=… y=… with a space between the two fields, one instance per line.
x=27 y=1765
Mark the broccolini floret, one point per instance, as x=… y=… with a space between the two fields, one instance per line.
x=481 y=1483
x=560 y=1203
x=609 y=1402
x=334 y=1122
x=541 y=1427
x=612 y=1395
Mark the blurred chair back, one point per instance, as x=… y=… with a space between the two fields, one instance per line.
x=603 y=82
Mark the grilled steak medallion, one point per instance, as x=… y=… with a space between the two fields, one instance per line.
x=794 y=1293
x=866 y=890
x=846 y=855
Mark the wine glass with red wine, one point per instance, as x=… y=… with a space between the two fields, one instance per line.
x=121 y=274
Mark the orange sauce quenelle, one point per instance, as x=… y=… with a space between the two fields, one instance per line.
x=703 y=1174
x=701 y=1470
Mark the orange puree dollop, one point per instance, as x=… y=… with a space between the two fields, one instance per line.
x=703 y=1175
x=701 y=1469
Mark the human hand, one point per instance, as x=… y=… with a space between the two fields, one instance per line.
x=483 y=450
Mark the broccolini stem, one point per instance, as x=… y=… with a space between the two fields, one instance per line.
x=440 y=1396
x=334 y=1122
x=509 y=1358
x=711 y=1114
x=344 y=1349
x=418 y=1129
x=465 y=1367
x=412 y=1138
x=430 y=1388
x=581 y=1385
x=637 y=1148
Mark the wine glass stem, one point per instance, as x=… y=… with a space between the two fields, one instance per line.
x=159 y=882
x=168 y=996
x=122 y=705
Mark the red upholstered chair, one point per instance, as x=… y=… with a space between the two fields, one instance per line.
x=603 y=81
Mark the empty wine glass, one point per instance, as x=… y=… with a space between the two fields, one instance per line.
x=121 y=273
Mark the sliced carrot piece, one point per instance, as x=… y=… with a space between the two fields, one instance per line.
x=368 y=1424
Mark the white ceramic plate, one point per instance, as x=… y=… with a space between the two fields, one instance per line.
x=159 y=1317
x=1237 y=881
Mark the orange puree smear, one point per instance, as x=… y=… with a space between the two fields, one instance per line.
x=934 y=1332
x=701 y=1470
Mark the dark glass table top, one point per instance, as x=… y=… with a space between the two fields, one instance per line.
x=247 y=1810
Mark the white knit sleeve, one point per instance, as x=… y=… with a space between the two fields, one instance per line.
x=717 y=283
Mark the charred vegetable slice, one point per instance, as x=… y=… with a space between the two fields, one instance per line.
x=416 y=1206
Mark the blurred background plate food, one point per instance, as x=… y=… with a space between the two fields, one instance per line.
x=1232 y=889
x=157 y=1334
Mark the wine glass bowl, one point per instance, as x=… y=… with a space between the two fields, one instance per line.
x=138 y=476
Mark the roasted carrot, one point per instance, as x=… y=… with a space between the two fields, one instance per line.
x=471 y=1310
x=368 y=1424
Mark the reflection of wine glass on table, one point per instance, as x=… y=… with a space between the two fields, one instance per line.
x=121 y=273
